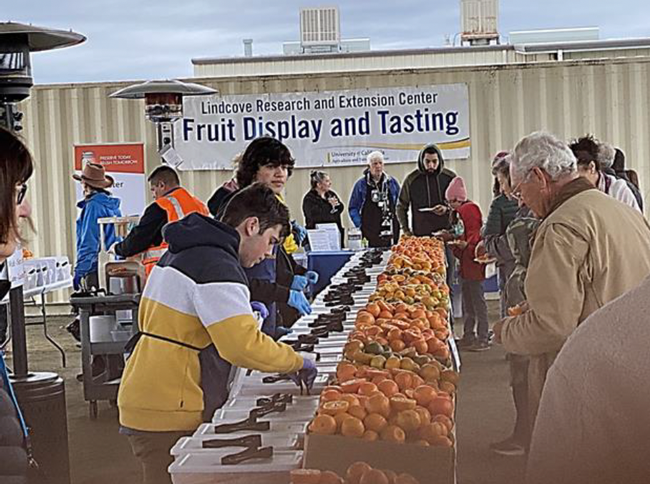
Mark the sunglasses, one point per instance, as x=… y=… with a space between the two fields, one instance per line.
x=21 y=194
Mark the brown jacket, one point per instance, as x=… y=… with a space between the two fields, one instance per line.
x=587 y=252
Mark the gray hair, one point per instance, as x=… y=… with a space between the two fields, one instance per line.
x=544 y=151
x=375 y=155
x=606 y=154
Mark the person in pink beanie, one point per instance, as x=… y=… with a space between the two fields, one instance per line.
x=472 y=274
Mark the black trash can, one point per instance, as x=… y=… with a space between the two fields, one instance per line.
x=41 y=397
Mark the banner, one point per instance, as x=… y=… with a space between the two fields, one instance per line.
x=125 y=163
x=325 y=128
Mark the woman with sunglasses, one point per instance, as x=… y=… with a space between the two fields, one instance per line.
x=16 y=167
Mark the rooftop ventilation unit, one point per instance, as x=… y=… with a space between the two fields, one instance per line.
x=320 y=29
x=479 y=21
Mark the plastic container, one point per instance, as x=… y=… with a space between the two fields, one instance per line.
x=194 y=445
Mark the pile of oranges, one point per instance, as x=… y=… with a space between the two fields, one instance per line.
x=357 y=473
x=396 y=385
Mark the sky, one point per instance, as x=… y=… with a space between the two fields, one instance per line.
x=156 y=39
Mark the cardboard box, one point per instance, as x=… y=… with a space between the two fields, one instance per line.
x=430 y=465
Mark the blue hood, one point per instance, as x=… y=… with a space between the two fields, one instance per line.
x=107 y=201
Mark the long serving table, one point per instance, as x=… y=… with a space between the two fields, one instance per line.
x=256 y=437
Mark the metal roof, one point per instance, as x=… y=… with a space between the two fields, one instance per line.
x=534 y=48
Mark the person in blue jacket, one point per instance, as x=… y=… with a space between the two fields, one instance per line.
x=372 y=204
x=97 y=203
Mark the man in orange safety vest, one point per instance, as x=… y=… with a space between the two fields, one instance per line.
x=171 y=203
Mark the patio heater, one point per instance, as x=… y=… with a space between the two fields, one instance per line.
x=41 y=396
x=163 y=106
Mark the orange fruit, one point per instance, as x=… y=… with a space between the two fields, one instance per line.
x=330 y=395
x=404 y=380
x=388 y=387
x=442 y=441
x=378 y=379
x=385 y=314
x=417 y=381
x=391 y=475
x=399 y=404
x=323 y=424
x=431 y=432
x=352 y=427
x=367 y=388
x=408 y=420
x=397 y=344
x=424 y=394
x=350 y=398
x=357 y=411
x=375 y=422
x=329 y=477
x=446 y=421
x=393 y=433
x=451 y=376
x=405 y=479
x=374 y=476
x=340 y=417
x=393 y=334
x=352 y=386
x=420 y=346
x=425 y=415
x=345 y=371
x=374 y=309
x=356 y=471
x=305 y=476
x=379 y=404
x=441 y=406
x=370 y=436
x=334 y=407
x=430 y=372
x=447 y=387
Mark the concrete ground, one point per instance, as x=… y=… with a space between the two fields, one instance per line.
x=100 y=455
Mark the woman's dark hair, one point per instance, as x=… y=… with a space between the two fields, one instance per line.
x=619 y=161
x=259 y=201
x=496 y=187
x=585 y=150
x=315 y=177
x=261 y=152
x=16 y=166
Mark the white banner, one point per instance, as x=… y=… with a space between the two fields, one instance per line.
x=326 y=128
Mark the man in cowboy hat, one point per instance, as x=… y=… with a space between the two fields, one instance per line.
x=97 y=203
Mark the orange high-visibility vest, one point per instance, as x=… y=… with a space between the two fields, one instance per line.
x=177 y=205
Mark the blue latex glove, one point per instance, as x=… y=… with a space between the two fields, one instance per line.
x=300 y=232
x=299 y=283
x=298 y=301
x=312 y=277
x=260 y=308
x=307 y=374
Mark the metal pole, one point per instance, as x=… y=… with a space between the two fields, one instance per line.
x=18 y=339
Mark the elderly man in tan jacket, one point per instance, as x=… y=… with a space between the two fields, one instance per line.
x=589 y=249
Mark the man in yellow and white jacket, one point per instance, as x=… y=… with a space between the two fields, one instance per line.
x=197 y=296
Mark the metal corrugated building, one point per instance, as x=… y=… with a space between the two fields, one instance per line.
x=607 y=97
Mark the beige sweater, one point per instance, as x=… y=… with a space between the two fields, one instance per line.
x=593 y=423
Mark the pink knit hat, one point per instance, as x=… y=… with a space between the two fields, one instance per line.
x=456 y=190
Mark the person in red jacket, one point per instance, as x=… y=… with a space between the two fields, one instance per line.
x=472 y=274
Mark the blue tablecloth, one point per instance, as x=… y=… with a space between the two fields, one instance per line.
x=327 y=264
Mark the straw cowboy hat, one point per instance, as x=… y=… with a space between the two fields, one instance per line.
x=93 y=175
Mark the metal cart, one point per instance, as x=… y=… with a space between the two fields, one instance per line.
x=99 y=387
